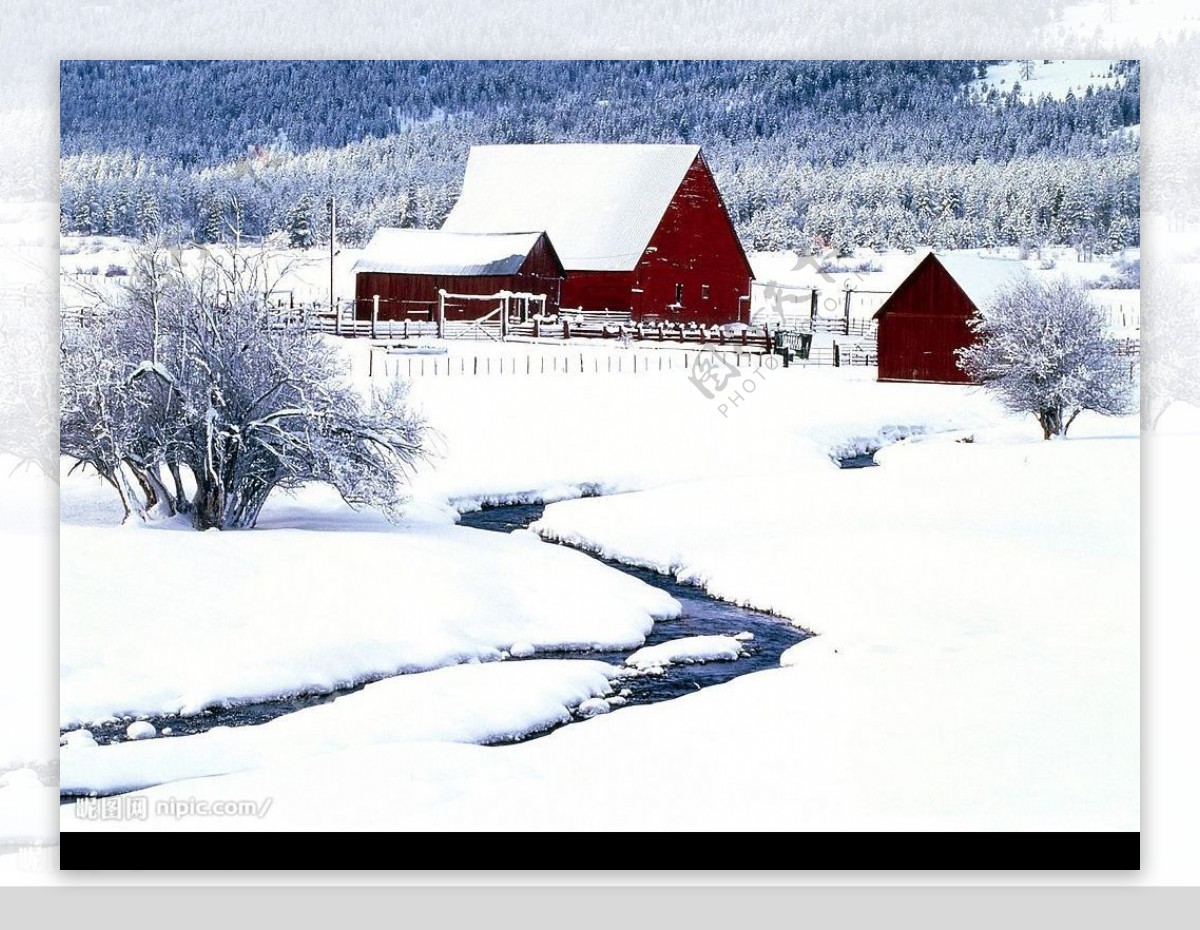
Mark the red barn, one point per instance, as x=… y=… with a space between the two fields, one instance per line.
x=641 y=228
x=407 y=267
x=925 y=320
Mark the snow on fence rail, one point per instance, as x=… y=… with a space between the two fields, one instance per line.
x=382 y=363
x=385 y=361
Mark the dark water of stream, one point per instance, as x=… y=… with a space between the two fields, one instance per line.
x=702 y=616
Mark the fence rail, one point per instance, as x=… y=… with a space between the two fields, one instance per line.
x=385 y=361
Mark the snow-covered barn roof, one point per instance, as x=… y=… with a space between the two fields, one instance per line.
x=600 y=204
x=982 y=276
x=435 y=251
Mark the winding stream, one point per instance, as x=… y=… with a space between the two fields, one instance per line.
x=701 y=615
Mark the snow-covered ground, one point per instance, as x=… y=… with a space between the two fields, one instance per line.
x=1055 y=78
x=977 y=604
x=470 y=703
x=164 y=620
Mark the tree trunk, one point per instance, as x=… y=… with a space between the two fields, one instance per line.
x=157 y=496
x=208 y=506
x=129 y=498
x=182 y=504
x=1051 y=419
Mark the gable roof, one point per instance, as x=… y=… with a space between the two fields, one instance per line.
x=980 y=276
x=434 y=251
x=600 y=204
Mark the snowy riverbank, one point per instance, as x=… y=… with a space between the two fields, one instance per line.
x=978 y=605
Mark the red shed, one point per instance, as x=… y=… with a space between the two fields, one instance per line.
x=407 y=268
x=925 y=320
x=641 y=228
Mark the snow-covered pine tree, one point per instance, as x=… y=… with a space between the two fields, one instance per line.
x=300 y=225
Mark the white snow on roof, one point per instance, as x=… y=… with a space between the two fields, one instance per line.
x=434 y=251
x=981 y=276
x=600 y=204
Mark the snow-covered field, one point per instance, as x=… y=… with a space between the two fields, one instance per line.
x=1055 y=78
x=977 y=604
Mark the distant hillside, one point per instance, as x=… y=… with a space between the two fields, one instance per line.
x=884 y=153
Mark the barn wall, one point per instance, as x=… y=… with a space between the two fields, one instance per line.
x=415 y=297
x=542 y=260
x=921 y=326
x=599 y=290
x=694 y=245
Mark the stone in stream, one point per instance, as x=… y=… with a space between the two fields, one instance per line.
x=77 y=738
x=140 y=729
x=593 y=707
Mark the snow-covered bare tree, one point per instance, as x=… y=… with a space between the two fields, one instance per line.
x=1044 y=349
x=187 y=372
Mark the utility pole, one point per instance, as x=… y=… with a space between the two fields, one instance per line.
x=337 y=317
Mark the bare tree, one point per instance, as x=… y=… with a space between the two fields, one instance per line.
x=1044 y=350
x=187 y=371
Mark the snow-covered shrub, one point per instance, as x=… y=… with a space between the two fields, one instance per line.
x=1044 y=350
x=189 y=371
x=1128 y=276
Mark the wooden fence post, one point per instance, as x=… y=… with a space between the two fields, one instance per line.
x=375 y=317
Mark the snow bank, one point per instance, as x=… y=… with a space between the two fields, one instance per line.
x=977 y=602
x=518 y=438
x=978 y=667
x=979 y=610
x=163 y=620
x=462 y=704
x=687 y=650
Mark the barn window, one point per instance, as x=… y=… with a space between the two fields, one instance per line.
x=704 y=292
x=678 y=293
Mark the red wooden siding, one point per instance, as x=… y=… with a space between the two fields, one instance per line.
x=695 y=245
x=414 y=296
x=599 y=290
x=921 y=325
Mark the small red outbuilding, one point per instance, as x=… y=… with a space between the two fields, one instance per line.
x=925 y=320
x=407 y=267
